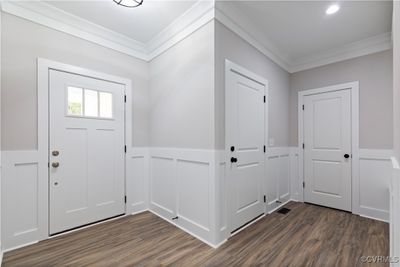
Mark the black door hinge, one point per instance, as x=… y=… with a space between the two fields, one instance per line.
x=265 y=149
x=265 y=99
x=304 y=184
x=303 y=107
x=125 y=149
x=265 y=199
x=303 y=146
x=125 y=199
x=125 y=98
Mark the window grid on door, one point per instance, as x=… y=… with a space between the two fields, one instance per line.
x=89 y=103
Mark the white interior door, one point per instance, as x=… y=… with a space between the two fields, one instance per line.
x=86 y=150
x=246 y=131
x=327 y=153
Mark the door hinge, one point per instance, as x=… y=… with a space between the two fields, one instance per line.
x=303 y=107
x=265 y=149
x=125 y=98
x=304 y=184
x=265 y=99
x=303 y=146
x=125 y=149
x=125 y=199
x=265 y=199
x=48 y=164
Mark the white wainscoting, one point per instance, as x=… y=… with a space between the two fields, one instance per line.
x=374 y=183
x=394 y=211
x=278 y=180
x=371 y=187
x=24 y=199
x=183 y=189
x=137 y=182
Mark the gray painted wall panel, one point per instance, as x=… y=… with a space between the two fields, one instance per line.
x=375 y=74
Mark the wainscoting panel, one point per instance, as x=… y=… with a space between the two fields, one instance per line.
x=374 y=183
x=24 y=198
x=278 y=176
x=183 y=189
x=137 y=180
x=163 y=185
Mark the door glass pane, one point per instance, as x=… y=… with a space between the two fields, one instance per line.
x=91 y=103
x=106 y=105
x=75 y=100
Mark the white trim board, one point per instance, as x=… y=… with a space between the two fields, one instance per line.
x=197 y=16
x=354 y=88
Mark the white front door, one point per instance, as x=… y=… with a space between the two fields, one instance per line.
x=327 y=152
x=246 y=148
x=86 y=150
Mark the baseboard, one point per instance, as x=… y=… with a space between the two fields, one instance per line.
x=187 y=231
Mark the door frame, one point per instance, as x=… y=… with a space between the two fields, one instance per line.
x=233 y=67
x=355 y=122
x=43 y=82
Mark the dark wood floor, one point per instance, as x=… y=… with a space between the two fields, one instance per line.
x=307 y=236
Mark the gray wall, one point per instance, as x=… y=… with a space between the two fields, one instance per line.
x=182 y=93
x=231 y=46
x=374 y=72
x=22 y=43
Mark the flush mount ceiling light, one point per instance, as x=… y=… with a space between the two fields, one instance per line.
x=332 y=9
x=129 y=3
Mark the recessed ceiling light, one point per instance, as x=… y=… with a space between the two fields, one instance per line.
x=332 y=9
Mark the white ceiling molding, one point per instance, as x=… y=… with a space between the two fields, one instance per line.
x=243 y=26
x=39 y=12
x=364 y=47
x=57 y=19
x=198 y=15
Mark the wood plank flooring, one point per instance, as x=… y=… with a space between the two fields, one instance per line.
x=308 y=235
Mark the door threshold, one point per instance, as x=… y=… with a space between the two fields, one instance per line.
x=81 y=227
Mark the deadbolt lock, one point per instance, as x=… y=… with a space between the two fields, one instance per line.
x=55 y=153
x=55 y=164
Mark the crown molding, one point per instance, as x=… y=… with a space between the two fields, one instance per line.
x=197 y=16
x=239 y=23
x=234 y=20
x=62 y=21
x=360 y=48
x=39 y=12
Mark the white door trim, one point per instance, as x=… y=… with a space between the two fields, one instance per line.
x=355 y=121
x=43 y=66
x=230 y=66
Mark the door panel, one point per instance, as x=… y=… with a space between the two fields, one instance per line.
x=87 y=132
x=247 y=136
x=327 y=137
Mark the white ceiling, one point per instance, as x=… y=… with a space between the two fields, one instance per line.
x=141 y=23
x=300 y=29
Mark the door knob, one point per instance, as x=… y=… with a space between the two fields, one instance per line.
x=233 y=160
x=55 y=164
x=346 y=156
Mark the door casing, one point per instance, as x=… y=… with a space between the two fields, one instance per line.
x=229 y=67
x=43 y=66
x=355 y=180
